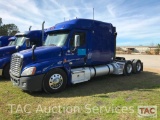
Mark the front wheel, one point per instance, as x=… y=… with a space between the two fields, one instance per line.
x=6 y=71
x=55 y=81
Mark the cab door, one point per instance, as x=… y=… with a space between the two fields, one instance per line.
x=76 y=56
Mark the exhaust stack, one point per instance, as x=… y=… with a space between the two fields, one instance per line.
x=115 y=36
x=43 y=32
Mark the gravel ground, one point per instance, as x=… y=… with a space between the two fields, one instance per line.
x=149 y=61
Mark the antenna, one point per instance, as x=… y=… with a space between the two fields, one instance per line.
x=93 y=13
x=30 y=28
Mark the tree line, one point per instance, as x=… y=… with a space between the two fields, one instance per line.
x=8 y=29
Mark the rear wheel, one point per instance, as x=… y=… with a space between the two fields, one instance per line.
x=137 y=66
x=128 y=68
x=55 y=81
x=6 y=71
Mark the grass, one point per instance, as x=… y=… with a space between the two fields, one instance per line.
x=0 y=72
x=85 y=101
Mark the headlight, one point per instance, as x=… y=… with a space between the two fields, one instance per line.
x=29 y=71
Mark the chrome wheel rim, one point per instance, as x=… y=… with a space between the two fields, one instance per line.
x=55 y=81
x=129 y=68
x=139 y=66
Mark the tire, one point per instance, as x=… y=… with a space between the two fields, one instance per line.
x=137 y=66
x=6 y=74
x=55 y=81
x=128 y=67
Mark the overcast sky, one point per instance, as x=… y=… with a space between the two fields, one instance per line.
x=137 y=21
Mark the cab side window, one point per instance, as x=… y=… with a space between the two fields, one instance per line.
x=82 y=39
x=27 y=43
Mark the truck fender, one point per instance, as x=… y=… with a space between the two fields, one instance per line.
x=66 y=69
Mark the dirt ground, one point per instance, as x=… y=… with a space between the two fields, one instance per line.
x=149 y=61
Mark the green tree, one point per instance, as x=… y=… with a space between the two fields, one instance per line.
x=157 y=50
x=0 y=22
x=8 y=29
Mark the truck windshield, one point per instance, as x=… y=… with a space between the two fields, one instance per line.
x=11 y=43
x=56 y=39
x=19 y=41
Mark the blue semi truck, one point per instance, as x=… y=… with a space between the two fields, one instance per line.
x=75 y=51
x=23 y=41
x=4 y=40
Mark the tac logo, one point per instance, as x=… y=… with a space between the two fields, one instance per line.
x=147 y=111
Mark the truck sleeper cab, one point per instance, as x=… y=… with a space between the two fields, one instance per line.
x=75 y=51
x=23 y=41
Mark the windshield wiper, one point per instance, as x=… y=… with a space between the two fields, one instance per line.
x=52 y=45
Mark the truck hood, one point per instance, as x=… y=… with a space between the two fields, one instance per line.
x=7 y=51
x=41 y=53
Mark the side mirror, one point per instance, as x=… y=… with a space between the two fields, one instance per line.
x=17 y=48
x=33 y=47
x=76 y=41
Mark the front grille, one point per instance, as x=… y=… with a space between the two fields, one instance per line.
x=16 y=63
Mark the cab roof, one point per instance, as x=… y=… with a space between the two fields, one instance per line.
x=80 y=24
x=12 y=38
x=27 y=32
